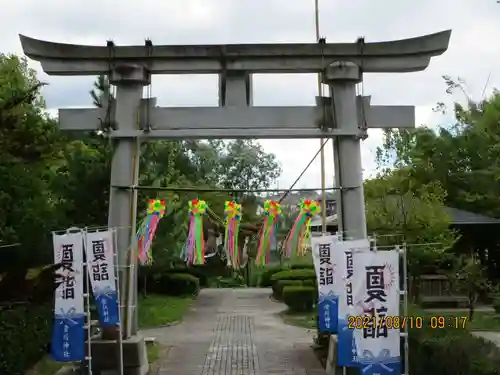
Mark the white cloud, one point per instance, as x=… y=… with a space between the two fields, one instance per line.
x=473 y=53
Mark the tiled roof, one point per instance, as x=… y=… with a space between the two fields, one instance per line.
x=461 y=217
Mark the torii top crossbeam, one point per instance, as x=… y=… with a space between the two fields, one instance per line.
x=406 y=55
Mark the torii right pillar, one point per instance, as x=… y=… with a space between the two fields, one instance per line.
x=342 y=77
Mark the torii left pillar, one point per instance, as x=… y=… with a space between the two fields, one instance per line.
x=129 y=80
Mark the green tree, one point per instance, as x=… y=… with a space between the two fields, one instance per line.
x=82 y=181
x=464 y=157
x=469 y=277
x=397 y=211
x=30 y=145
x=245 y=165
x=101 y=92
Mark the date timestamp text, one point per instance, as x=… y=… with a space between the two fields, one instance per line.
x=407 y=322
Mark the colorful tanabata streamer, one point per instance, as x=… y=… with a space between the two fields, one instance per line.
x=272 y=212
x=297 y=238
x=147 y=229
x=194 y=251
x=232 y=220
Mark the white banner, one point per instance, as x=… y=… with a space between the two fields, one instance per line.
x=68 y=330
x=99 y=247
x=346 y=353
x=325 y=265
x=376 y=298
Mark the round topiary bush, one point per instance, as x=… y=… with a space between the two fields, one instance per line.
x=296 y=274
x=279 y=285
x=300 y=266
x=265 y=277
x=196 y=271
x=449 y=351
x=176 y=284
x=299 y=298
x=310 y=282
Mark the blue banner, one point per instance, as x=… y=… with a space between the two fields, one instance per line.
x=328 y=312
x=381 y=364
x=100 y=256
x=107 y=306
x=68 y=337
x=68 y=334
x=376 y=291
x=325 y=266
x=346 y=345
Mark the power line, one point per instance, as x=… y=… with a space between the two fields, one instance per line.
x=302 y=174
x=323 y=189
x=322 y=142
x=214 y=190
x=321 y=150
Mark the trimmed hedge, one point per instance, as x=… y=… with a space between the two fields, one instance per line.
x=196 y=271
x=279 y=285
x=310 y=282
x=175 y=284
x=452 y=354
x=299 y=298
x=447 y=351
x=450 y=351
x=299 y=266
x=150 y=276
x=296 y=274
x=24 y=335
x=265 y=277
x=237 y=281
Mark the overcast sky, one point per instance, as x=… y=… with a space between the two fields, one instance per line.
x=474 y=52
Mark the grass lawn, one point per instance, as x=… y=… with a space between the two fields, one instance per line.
x=304 y=320
x=158 y=310
x=155 y=310
x=46 y=367
x=154 y=352
x=49 y=367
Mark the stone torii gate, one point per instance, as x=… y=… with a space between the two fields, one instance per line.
x=341 y=116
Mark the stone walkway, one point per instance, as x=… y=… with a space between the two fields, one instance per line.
x=236 y=332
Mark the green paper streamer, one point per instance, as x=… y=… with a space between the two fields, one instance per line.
x=199 y=239
x=296 y=235
x=236 y=243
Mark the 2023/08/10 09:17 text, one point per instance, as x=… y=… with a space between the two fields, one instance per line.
x=410 y=322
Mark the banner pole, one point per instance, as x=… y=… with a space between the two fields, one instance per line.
x=86 y=296
x=405 y=310
x=119 y=339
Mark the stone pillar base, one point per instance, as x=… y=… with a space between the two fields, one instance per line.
x=332 y=368
x=105 y=357
x=331 y=360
